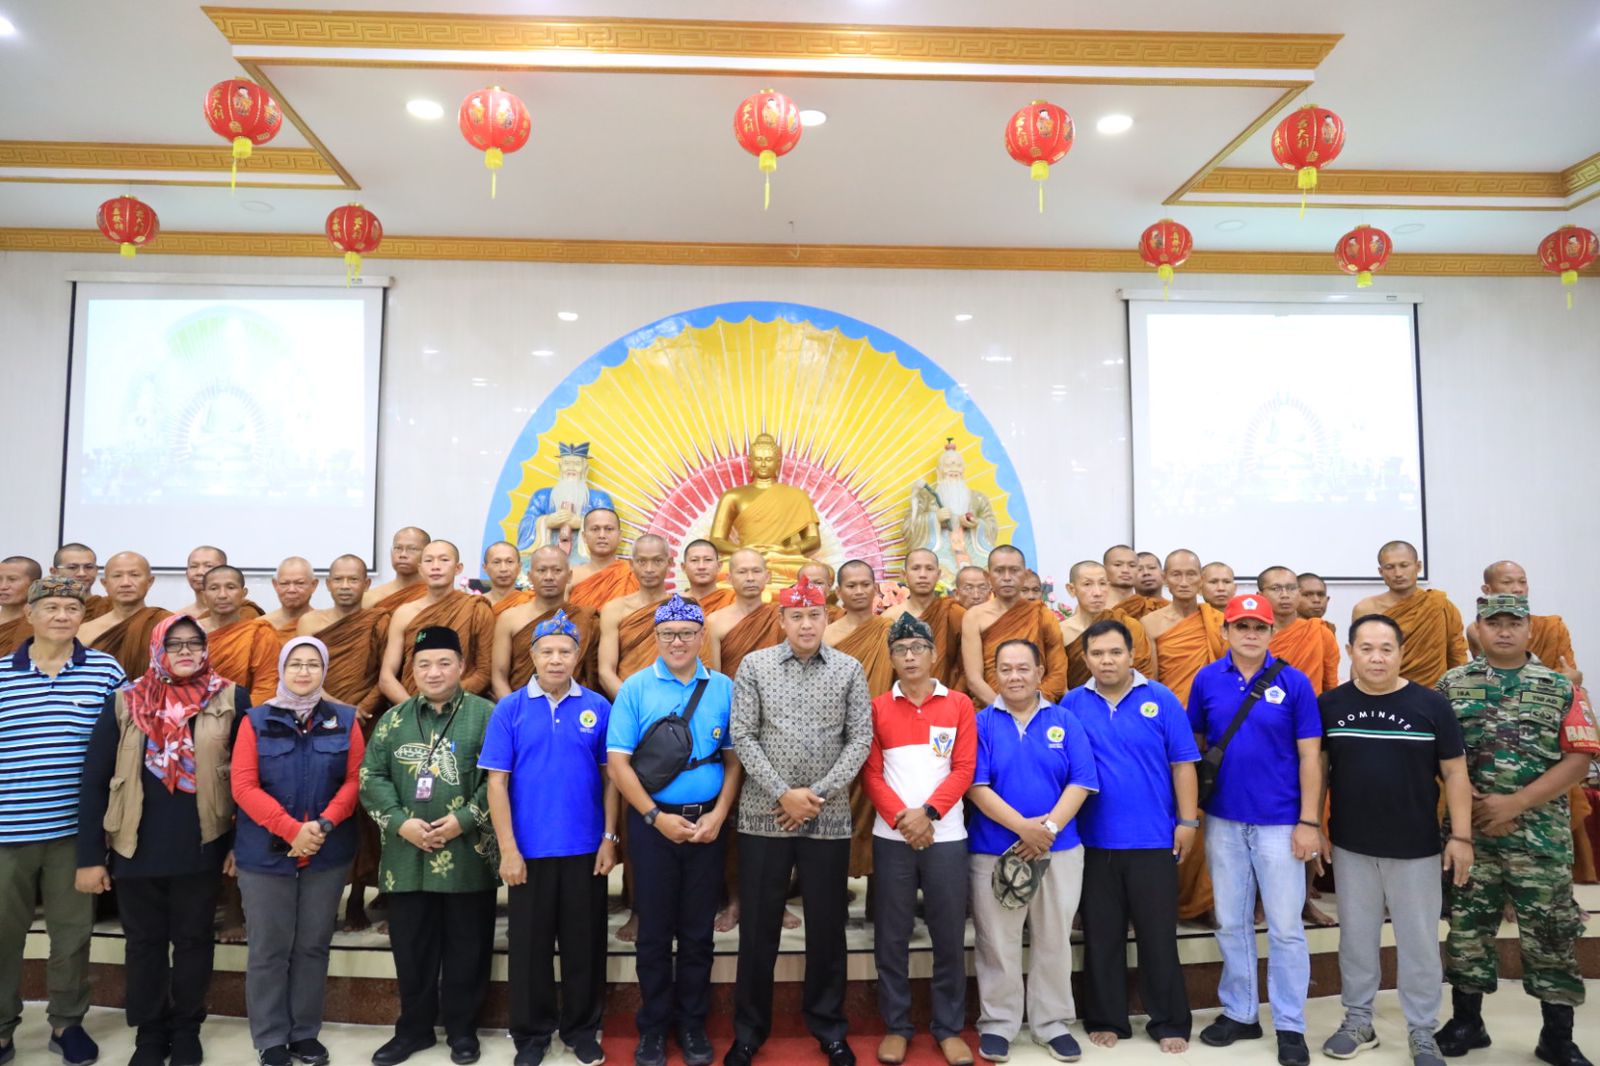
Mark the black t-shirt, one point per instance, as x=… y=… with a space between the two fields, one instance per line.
x=1384 y=752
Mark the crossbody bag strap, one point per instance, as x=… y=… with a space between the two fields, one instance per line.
x=1257 y=690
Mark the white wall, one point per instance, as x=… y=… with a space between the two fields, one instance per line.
x=1509 y=383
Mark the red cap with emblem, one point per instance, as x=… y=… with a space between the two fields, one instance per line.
x=1248 y=605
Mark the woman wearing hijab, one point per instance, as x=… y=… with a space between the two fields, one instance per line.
x=296 y=770
x=156 y=814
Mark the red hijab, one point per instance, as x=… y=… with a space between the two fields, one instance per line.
x=161 y=707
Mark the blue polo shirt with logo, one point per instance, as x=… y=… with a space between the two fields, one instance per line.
x=1135 y=744
x=1029 y=767
x=555 y=752
x=1259 y=780
x=649 y=696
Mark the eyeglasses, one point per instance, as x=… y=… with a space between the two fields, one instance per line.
x=676 y=636
x=915 y=647
x=304 y=668
x=1280 y=588
x=185 y=645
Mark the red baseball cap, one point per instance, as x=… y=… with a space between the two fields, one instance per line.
x=1249 y=605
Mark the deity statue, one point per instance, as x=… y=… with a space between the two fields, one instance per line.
x=951 y=520
x=768 y=516
x=555 y=514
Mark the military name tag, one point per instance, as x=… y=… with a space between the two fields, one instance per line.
x=424 y=786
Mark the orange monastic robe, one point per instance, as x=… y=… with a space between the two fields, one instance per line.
x=128 y=641
x=96 y=606
x=1309 y=647
x=13 y=633
x=715 y=600
x=1029 y=620
x=601 y=587
x=520 y=670
x=1435 y=641
x=944 y=616
x=355 y=657
x=516 y=598
x=401 y=597
x=1182 y=650
x=246 y=653
x=1137 y=606
x=1078 y=665
x=286 y=633
x=636 y=641
x=473 y=620
x=868 y=644
x=756 y=630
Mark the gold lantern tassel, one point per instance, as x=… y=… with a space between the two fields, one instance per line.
x=1569 y=277
x=494 y=159
x=1363 y=279
x=1040 y=171
x=352 y=267
x=767 y=162
x=128 y=251
x=241 y=150
x=1164 y=272
x=1306 y=179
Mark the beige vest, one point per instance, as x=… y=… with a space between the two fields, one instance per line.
x=212 y=766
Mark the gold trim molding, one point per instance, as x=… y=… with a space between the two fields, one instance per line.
x=1339 y=182
x=838 y=256
x=244 y=27
x=91 y=155
x=1581 y=175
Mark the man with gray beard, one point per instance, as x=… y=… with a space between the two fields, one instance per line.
x=950 y=519
x=555 y=514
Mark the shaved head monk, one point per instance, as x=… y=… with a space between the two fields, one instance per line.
x=1122 y=570
x=1305 y=643
x=294 y=584
x=1313 y=602
x=1431 y=623
x=405 y=558
x=243 y=650
x=1091 y=590
x=1032 y=586
x=820 y=574
x=1007 y=616
x=747 y=624
x=1217 y=585
x=502 y=564
x=124 y=632
x=606 y=575
x=942 y=614
x=441 y=605
x=700 y=566
x=972 y=586
x=628 y=623
x=201 y=561
x=511 y=662
x=17 y=572
x=1148 y=581
x=863 y=636
x=78 y=562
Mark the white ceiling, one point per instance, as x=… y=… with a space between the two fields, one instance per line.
x=1466 y=85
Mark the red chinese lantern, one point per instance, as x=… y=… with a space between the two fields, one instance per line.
x=1039 y=136
x=1567 y=251
x=355 y=231
x=127 y=221
x=1305 y=141
x=497 y=122
x=1362 y=251
x=1165 y=245
x=767 y=125
x=242 y=112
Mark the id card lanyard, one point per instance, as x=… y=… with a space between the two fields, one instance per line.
x=426 y=773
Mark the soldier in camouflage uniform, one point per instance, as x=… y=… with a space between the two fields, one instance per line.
x=1529 y=738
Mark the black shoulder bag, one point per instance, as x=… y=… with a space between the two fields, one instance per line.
x=667 y=747
x=1211 y=762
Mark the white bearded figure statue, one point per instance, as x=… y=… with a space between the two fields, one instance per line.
x=950 y=519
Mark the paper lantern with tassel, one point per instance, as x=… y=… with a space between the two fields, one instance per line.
x=1307 y=140
x=245 y=114
x=1362 y=251
x=1165 y=245
x=127 y=221
x=1039 y=136
x=496 y=122
x=767 y=125
x=1567 y=251
x=355 y=231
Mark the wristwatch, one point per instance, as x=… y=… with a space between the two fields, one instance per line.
x=931 y=811
x=650 y=816
x=1055 y=830
x=1189 y=823
x=611 y=837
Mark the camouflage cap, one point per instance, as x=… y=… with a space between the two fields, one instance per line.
x=50 y=585
x=1502 y=603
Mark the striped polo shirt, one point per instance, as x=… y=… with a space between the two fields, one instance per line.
x=45 y=724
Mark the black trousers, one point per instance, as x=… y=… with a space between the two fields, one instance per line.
x=162 y=917
x=442 y=944
x=679 y=886
x=764 y=867
x=562 y=903
x=1141 y=884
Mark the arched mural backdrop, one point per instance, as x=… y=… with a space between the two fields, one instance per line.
x=669 y=412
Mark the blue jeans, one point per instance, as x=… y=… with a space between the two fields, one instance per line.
x=1244 y=857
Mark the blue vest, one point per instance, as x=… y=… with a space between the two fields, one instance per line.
x=301 y=770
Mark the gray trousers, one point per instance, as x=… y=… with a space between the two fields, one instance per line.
x=292 y=919
x=48 y=869
x=941 y=873
x=1410 y=889
x=1048 y=917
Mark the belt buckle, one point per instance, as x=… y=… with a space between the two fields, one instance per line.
x=693 y=811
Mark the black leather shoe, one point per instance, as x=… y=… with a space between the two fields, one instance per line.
x=1460 y=1035
x=186 y=1049
x=399 y=1049
x=1225 y=1031
x=696 y=1047
x=464 y=1051
x=839 y=1053
x=739 y=1055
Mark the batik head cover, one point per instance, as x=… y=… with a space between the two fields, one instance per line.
x=678 y=609
x=909 y=627
x=557 y=625
x=803 y=593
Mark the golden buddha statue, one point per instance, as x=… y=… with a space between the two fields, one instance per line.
x=768 y=516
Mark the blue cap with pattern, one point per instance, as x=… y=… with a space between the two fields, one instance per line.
x=557 y=624
x=679 y=609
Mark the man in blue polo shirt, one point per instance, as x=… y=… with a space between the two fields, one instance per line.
x=675 y=833
x=1264 y=823
x=1135 y=830
x=555 y=816
x=1034 y=771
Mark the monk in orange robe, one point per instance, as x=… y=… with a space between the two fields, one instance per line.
x=78 y=562
x=502 y=563
x=627 y=624
x=294 y=583
x=942 y=614
x=1007 y=616
x=511 y=662
x=17 y=572
x=863 y=636
x=1090 y=586
x=405 y=558
x=124 y=632
x=1431 y=623
x=700 y=566
x=1307 y=644
x=444 y=605
x=243 y=650
x=605 y=576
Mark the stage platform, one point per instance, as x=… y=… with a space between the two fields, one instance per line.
x=361 y=970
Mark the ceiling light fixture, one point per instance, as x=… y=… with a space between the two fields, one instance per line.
x=261 y=207
x=1411 y=227
x=567 y=316
x=427 y=110
x=812 y=117
x=7 y=29
x=1228 y=225
x=963 y=317
x=542 y=353
x=1114 y=124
